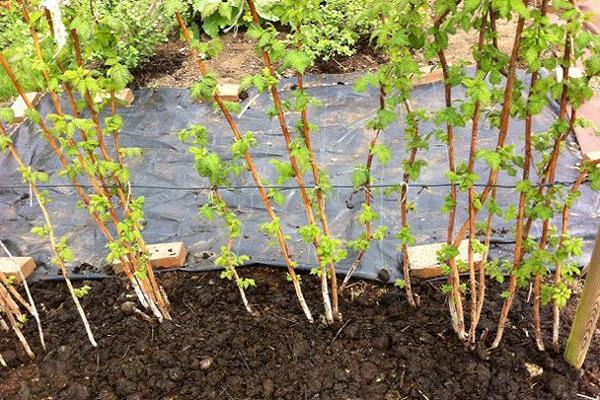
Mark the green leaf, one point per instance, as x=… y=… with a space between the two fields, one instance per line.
x=297 y=60
x=471 y=5
x=360 y=176
x=367 y=214
x=5 y=142
x=7 y=115
x=382 y=152
x=205 y=88
x=309 y=233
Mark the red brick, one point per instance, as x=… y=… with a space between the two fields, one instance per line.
x=428 y=76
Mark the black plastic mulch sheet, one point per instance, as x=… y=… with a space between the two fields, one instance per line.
x=166 y=177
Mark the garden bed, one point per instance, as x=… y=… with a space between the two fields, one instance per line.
x=397 y=147
x=214 y=349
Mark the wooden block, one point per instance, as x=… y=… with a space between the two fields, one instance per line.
x=163 y=256
x=25 y=264
x=423 y=259
x=167 y=255
x=592 y=7
x=589 y=142
x=124 y=97
x=428 y=76
x=19 y=108
x=574 y=72
x=591 y=156
x=229 y=91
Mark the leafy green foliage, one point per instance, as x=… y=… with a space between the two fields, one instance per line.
x=82 y=291
x=217 y=16
x=205 y=88
x=360 y=177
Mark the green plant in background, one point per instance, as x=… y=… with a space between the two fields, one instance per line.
x=335 y=27
x=332 y=27
x=218 y=16
x=139 y=25
x=18 y=49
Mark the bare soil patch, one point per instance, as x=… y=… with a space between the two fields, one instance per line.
x=214 y=349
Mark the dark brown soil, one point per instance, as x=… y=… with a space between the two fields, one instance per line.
x=172 y=66
x=214 y=349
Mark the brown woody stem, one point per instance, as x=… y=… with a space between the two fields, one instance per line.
x=475 y=306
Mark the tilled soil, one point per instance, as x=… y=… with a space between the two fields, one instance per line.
x=214 y=349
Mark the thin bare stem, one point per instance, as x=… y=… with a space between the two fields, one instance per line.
x=558 y=266
x=230 y=265
x=320 y=198
x=471 y=206
x=367 y=189
x=32 y=307
x=52 y=238
x=504 y=122
x=455 y=304
x=483 y=264
x=10 y=311
x=404 y=214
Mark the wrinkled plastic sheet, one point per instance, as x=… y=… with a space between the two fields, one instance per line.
x=173 y=190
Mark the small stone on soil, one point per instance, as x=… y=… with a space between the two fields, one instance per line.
x=128 y=307
x=533 y=369
x=206 y=363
